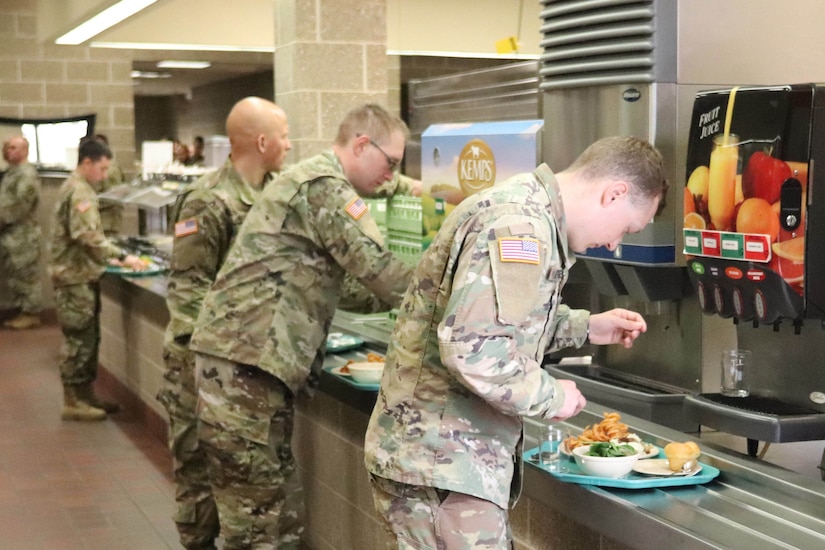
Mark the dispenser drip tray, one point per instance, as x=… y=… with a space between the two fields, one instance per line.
x=756 y=417
x=634 y=395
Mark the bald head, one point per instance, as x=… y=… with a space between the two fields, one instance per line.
x=258 y=134
x=16 y=150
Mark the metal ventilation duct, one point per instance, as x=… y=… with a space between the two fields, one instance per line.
x=597 y=42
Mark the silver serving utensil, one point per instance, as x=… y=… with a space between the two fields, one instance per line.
x=689 y=468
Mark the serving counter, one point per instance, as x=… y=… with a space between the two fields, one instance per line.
x=751 y=504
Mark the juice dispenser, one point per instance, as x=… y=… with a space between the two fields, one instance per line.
x=751 y=217
x=754 y=226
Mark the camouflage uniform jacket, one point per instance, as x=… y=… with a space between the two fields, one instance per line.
x=19 y=196
x=79 y=249
x=209 y=216
x=274 y=298
x=464 y=363
x=111 y=214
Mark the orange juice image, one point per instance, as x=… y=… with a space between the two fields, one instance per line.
x=722 y=181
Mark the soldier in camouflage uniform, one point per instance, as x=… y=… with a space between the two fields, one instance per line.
x=79 y=255
x=464 y=365
x=262 y=329
x=208 y=218
x=20 y=234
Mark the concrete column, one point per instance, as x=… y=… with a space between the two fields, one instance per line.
x=330 y=56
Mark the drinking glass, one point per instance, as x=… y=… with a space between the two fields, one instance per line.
x=551 y=442
x=735 y=366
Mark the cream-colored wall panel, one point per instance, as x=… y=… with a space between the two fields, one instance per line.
x=245 y=23
x=751 y=41
x=458 y=26
x=461 y=26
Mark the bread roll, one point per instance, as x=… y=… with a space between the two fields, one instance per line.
x=679 y=453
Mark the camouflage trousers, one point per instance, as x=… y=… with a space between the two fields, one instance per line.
x=425 y=518
x=196 y=516
x=78 y=312
x=20 y=268
x=245 y=425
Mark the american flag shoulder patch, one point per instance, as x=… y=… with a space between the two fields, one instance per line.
x=518 y=249
x=82 y=206
x=356 y=208
x=186 y=227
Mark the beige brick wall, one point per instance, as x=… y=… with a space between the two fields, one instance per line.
x=330 y=57
x=48 y=81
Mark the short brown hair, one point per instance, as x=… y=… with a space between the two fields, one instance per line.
x=625 y=158
x=371 y=120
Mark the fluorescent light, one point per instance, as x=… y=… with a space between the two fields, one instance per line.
x=149 y=74
x=174 y=64
x=107 y=18
x=181 y=47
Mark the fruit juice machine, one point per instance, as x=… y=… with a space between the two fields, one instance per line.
x=753 y=225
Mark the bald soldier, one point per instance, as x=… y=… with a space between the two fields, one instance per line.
x=20 y=236
x=261 y=334
x=209 y=216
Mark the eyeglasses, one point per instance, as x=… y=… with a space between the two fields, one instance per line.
x=391 y=162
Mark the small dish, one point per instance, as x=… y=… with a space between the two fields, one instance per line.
x=653 y=450
x=603 y=466
x=369 y=372
x=660 y=467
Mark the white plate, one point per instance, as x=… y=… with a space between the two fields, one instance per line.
x=659 y=467
x=337 y=370
x=654 y=451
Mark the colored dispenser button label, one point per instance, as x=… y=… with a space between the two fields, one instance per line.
x=728 y=245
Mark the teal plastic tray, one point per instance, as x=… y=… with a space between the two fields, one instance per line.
x=151 y=271
x=631 y=481
x=338 y=342
x=350 y=381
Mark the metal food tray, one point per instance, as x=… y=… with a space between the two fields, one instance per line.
x=631 y=481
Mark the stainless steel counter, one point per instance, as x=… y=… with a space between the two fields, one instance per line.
x=751 y=505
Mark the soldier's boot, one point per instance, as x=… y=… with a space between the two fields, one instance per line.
x=86 y=393
x=76 y=409
x=23 y=321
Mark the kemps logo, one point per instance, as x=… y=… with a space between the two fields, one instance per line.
x=476 y=167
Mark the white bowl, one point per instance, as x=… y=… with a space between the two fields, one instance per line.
x=367 y=372
x=604 y=466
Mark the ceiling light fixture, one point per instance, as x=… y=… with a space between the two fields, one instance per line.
x=150 y=74
x=107 y=18
x=180 y=47
x=176 y=64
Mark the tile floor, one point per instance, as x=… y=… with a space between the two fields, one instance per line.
x=70 y=485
